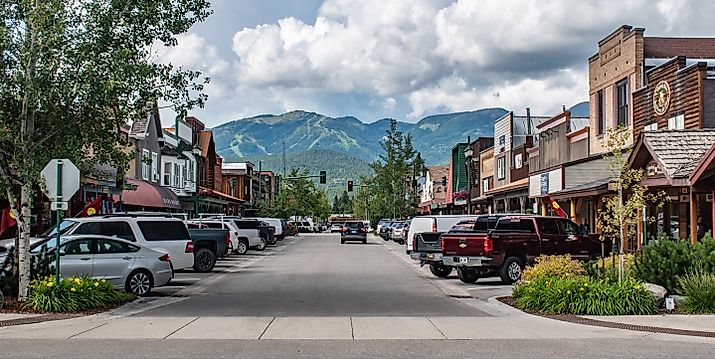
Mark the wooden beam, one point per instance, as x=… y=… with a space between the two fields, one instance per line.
x=572 y=209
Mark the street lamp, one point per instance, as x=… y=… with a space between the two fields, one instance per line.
x=469 y=154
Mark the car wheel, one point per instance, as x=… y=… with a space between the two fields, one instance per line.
x=139 y=282
x=511 y=271
x=273 y=241
x=263 y=244
x=467 y=275
x=364 y=241
x=342 y=241
x=242 y=247
x=204 y=260
x=440 y=270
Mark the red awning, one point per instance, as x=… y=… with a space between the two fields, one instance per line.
x=149 y=195
x=203 y=191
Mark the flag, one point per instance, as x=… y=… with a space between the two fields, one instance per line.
x=8 y=220
x=92 y=208
x=559 y=211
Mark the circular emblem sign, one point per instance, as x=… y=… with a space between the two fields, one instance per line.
x=91 y=211
x=661 y=98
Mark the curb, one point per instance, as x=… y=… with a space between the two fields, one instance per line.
x=575 y=319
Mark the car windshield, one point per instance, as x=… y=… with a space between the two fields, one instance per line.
x=65 y=226
x=399 y=226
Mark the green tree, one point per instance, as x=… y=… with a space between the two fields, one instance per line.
x=394 y=172
x=619 y=217
x=336 y=204
x=299 y=197
x=73 y=74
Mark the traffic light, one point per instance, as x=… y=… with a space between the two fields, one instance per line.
x=350 y=186
x=323 y=177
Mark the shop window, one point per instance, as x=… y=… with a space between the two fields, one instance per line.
x=518 y=162
x=622 y=102
x=176 y=175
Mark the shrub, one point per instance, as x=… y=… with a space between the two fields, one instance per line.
x=704 y=254
x=553 y=267
x=73 y=295
x=584 y=296
x=663 y=262
x=40 y=266
x=607 y=268
x=699 y=289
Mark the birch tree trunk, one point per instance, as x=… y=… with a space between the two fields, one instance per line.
x=24 y=242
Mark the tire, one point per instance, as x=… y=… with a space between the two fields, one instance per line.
x=467 y=275
x=272 y=242
x=204 y=260
x=140 y=282
x=263 y=245
x=364 y=241
x=440 y=270
x=510 y=271
x=342 y=241
x=242 y=247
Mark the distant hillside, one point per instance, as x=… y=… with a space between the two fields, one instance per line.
x=340 y=167
x=300 y=131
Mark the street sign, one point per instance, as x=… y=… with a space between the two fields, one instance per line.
x=69 y=179
x=59 y=206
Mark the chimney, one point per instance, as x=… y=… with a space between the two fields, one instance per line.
x=563 y=108
x=528 y=121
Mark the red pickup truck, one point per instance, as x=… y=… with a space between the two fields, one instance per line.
x=514 y=243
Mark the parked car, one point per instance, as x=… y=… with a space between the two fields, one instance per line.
x=247 y=232
x=397 y=233
x=209 y=244
x=267 y=232
x=383 y=222
x=277 y=224
x=162 y=234
x=386 y=230
x=336 y=227
x=367 y=225
x=353 y=231
x=514 y=243
x=441 y=223
x=124 y=264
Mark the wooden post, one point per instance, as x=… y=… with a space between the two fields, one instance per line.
x=544 y=211
x=693 y=216
x=572 y=209
x=639 y=233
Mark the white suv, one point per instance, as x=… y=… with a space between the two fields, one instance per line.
x=162 y=234
x=245 y=230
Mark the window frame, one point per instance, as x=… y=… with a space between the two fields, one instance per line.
x=154 y=166
x=146 y=156
x=600 y=112
x=622 y=117
x=501 y=168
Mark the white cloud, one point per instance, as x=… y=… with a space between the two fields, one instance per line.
x=414 y=57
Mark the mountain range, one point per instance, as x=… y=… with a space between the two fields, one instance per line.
x=344 y=146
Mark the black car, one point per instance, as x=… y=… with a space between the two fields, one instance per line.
x=353 y=231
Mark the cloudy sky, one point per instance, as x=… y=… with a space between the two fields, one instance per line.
x=410 y=58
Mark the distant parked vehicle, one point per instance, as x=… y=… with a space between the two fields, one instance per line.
x=124 y=264
x=336 y=227
x=397 y=233
x=278 y=225
x=353 y=231
x=383 y=222
x=431 y=224
x=205 y=256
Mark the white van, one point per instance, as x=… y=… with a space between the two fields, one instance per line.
x=441 y=223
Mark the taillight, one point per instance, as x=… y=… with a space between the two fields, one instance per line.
x=434 y=224
x=345 y=229
x=228 y=239
x=488 y=245
x=441 y=243
x=189 y=247
x=164 y=258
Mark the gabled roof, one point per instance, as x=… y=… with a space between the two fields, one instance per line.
x=205 y=138
x=677 y=152
x=140 y=127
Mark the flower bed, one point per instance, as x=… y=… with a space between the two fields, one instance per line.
x=73 y=295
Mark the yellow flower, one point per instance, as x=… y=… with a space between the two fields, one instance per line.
x=72 y=289
x=568 y=292
x=77 y=280
x=637 y=286
x=50 y=284
x=104 y=280
x=96 y=284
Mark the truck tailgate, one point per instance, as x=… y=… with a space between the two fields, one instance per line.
x=427 y=242
x=464 y=244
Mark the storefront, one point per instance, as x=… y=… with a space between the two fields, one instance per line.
x=140 y=195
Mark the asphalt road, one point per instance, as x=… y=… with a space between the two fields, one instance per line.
x=317 y=276
x=338 y=349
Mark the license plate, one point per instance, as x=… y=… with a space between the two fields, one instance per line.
x=463 y=260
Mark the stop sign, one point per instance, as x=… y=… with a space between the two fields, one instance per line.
x=69 y=179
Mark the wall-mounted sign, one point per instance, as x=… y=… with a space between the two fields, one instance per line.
x=661 y=98
x=652 y=169
x=544 y=184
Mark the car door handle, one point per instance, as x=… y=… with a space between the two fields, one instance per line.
x=85 y=258
x=127 y=258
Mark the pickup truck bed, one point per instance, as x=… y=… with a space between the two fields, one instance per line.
x=209 y=244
